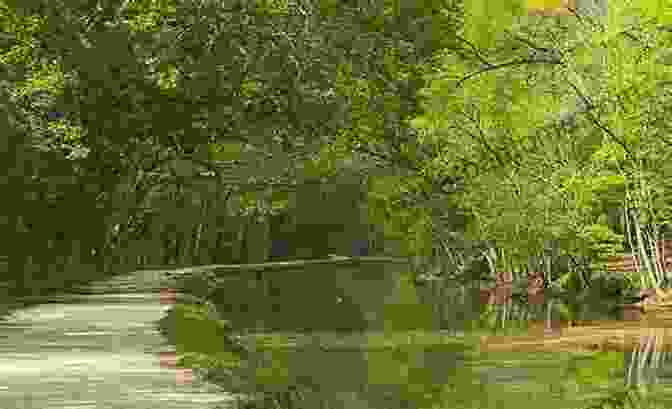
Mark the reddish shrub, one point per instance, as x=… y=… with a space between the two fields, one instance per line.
x=487 y=296
x=535 y=288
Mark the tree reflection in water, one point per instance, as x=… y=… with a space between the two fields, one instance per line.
x=646 y=358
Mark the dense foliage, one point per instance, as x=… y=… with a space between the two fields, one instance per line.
x=560 y=123
x=166 y=132
x=468 y=134
x=162 y=131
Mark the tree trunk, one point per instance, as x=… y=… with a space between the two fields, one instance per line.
x=491 y=257
x=641 y=246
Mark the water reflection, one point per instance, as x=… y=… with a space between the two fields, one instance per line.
x=353 y=371
x=431 y=368
x=482 y=348
x=647 y=357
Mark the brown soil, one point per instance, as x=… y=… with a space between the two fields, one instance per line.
x=600 y=335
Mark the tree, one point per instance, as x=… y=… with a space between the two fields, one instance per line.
x=533 y=179
x=234 y=88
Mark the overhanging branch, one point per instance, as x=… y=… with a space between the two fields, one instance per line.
x=515 y=63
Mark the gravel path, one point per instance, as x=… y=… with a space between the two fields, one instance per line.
x=96 y=351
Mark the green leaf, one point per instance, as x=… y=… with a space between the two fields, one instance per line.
x=658 y=9
x=484 y=19
x=225 y=151
x=599 y=370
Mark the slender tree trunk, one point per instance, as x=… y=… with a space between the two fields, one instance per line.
x=651 y=236
x=626 y=229
x=240 y=246
x=200 y=228
x=167 y=245
x=641 y=246
x=185 y=246
x=663 y=255
x=194 y=247
x=632 y=242
x=198 y=244
x=491 y=257
x=216 y=246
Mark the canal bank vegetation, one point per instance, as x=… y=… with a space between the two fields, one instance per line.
x=551 y=122
x=476 y=140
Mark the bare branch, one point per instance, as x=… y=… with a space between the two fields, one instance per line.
x=514 y=63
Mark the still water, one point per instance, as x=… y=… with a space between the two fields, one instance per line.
x=94 y=351
x=103 y=350
x=557 y=354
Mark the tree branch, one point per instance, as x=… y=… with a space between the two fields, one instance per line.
x=590 y=106
x=513 y=63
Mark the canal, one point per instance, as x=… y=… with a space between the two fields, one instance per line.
x=362 y=335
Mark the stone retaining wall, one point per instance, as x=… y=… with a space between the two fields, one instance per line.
x=342 y=293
